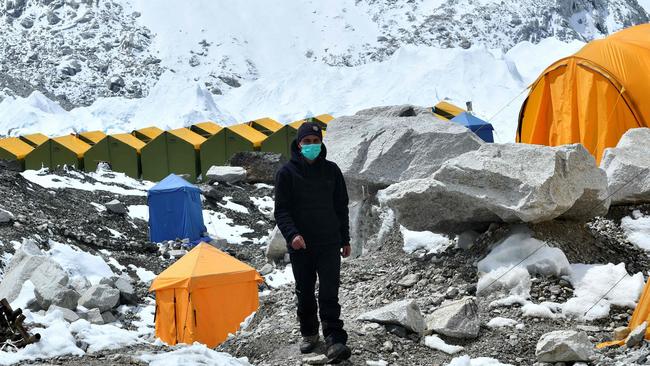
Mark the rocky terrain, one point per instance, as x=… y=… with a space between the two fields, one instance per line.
x=77 y=51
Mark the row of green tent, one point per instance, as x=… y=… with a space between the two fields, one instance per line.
x=152 y=153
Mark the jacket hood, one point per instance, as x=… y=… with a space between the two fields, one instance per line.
x=296 y=155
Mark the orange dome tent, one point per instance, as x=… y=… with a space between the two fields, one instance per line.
x=204 y=296
x=592 y=97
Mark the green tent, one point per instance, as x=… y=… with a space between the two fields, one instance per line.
x=120 y=151
x=266 y=125
x=218 y=149
x=13 y=148
x=91 y=137
x=280 y=141
x=56 y=152
x=34 y=139
x=175 y=151
x=206 y=129
x=147 y=134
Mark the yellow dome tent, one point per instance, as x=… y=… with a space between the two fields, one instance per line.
x=204 y=296
x=592 y=97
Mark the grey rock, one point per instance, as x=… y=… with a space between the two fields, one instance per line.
x=260 y=166
x=316 y=360
x=52 y=18
x=226 y=174
x=502 y=183
x=51 y=286
x=108 y=317
x=128 y=295
x=409 y=280
x=27 y=22
x=636 y=335
x=466 y=239
x=177 y=253
x=404 y=313
x=451 y=292
x=108 y=281
x=116 y=207
x=21 y=267
x=458 y=319
x=102 y=297
x=628 y=168
x=266 y=269
x=621 y=333
x=276 y=247
x=564 y=346
x=69 y=315
x=79 y=284
x=116 y=83
x=5 y=216
x=94 y=316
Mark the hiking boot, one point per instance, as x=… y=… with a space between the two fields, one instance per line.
x=309 y=343
x=338 y=352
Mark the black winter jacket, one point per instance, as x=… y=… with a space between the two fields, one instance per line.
x=312 y=200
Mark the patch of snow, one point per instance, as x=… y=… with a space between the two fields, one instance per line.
x=513 y=281
x=637 y=229
x=230 y=205
x=480 y=361
x=79 y=263
x=114 y=233
x=116 y=264
x=103 y=337
x=219 y=225
x=532 y=310
x=196 y=354
x=431 y=242
x=499 y=322
x=139 y=212
x=98 y=207
x=436 y=343
x=280 y=277
x=265 y=204
x=44 y=179
x=144 y=275
x=24 y=296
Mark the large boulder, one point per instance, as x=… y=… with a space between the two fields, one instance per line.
x=628 y=168
x=276 y=247
x=381 y=146
x=458 y=319
x=502 y=183
x=116 y=207
x=260 y=166
x=226 y=174
x=51 y=286
x=564 y=346
x=128 y=294
x=102 y=297
x=5 y=216
x=404 y=313
x=21 y=267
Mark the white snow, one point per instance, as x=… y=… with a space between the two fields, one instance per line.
x=139 y=212
x=431 y=242
x=265 y=204
x=24 y=296
x=514 y=281
x=480 y=361
x=144 y=275
x=230 y=205
x=79 y=263
x=196 y=354
x=637 y=229
x=280 y=277
x=532 y=310
x=116 y=264
x=499 y=322
x=435 y=342
x=102 y=337
x=46 y=180
x=220 y=225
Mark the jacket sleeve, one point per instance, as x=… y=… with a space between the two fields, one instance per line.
x=341 y=201
x=282 y=213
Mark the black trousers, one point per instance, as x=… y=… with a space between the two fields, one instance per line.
x=323 y=262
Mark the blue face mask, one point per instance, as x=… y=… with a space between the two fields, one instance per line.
x=310 y=151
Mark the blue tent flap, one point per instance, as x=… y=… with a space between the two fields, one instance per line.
x=480 y=127
x=175 y=210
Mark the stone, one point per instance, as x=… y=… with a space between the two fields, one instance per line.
x=115 y=83
x=404 y=313
x=21 y=267
x=498 y=183
x=177 y=253
x=79 y=284
x=628 y=168
x=116 y=207
x=636 y=336
x=451 y=292
x=69 y=315
x=564 y=346
x=276 y=247
x=620 y=333
x=588 y=328
x=128 y=295
x=108 y=281
x=108 y=317
x=260 y=166
x=466 y=239
x=381 y=146
x=102 y=297
x=94 y=316
x=316 y=360
x=266 y=269
x=409 y=280
x=226 y=174
x=51 y=286
x=458 y=319
x=6 y=216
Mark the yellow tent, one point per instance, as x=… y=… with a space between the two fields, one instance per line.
x=206 y=129
x=641 y=314
x=592 y=97
x=91 y=137
x=34 y=139
x=147 y=134
x=249 y=133
x=204 y=296
x=446 y=111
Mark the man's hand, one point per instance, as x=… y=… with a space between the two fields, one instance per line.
x=346 y=251
x=298 y=243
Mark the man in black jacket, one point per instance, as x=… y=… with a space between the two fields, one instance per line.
x=311 y=210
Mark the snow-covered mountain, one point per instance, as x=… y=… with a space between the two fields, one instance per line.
x=240 y=60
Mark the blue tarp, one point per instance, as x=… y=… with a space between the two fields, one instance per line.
x=175 y=210
x=478 y=126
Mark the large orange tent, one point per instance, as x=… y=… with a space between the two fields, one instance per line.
x=203 y=297
x=592 y=97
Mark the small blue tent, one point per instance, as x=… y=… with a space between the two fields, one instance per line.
x=175 y=210
x=478 y=126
